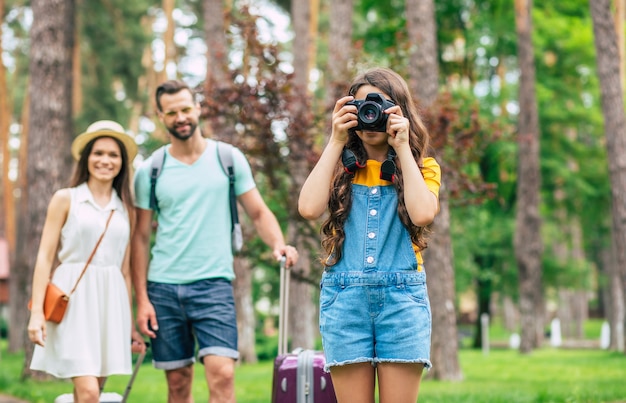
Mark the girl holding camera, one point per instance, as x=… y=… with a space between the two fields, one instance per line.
x=375 y=317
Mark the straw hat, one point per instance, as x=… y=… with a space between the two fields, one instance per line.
x=104 y=128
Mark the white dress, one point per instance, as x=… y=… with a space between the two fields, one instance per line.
x=94 y=337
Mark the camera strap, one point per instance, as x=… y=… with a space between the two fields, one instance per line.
x=388 y=167
x=349 y=161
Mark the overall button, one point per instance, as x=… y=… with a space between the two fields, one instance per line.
x=373 y=212
x=370 y=259
x=374 y=191
x=371 y=235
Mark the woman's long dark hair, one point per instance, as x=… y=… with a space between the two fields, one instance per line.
x=121 y=183
x=340 y=202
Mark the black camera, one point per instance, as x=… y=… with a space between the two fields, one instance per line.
x=370 y=112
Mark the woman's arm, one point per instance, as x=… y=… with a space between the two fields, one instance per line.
x=137 y=342
x=56 y=216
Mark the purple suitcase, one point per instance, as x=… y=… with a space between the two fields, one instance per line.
x=299 y=376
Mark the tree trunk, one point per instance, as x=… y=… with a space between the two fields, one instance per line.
x=424 y=81
x=484 y=291
x=168 y=38
x=6 y=190
x=77 y=71
x=510 y=314
x=614 y=301
x=246 y=319
x=217 y=48
x=422 y=30
x=339 y=51
x=438 y=259
x=49 y=159
x=572 y=309
x=607 y=56
x=572 y=313
x=22 y=159
x=620 y=14
x=528 y=244
x=7 y=230
x=302 y=320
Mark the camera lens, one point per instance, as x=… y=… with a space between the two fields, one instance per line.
x=369 y=114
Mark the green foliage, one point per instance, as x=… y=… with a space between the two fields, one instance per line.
x=575 y=187
x=478 y=41
x=474 y=39
x=378 y=24
x=113 y=40
x=16 y=47
x=4 y=327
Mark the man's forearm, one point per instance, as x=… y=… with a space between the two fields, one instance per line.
x=269 y=230
x=139 y=269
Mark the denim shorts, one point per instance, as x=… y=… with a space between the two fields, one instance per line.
x=202 y=311
x=375 y=317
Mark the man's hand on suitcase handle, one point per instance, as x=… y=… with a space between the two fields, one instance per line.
x=287 y=252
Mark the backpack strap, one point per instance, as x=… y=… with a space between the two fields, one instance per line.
x=158 y=160
x=225 y=156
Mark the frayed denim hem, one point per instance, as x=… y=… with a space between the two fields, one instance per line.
x=375 y=361
x=427 y=364
x=348 y=362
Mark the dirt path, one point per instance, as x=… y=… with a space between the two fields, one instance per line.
x=10 y=399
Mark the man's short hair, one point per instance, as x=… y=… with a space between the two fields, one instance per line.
x=171 y=87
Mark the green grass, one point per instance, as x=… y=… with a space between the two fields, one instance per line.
x=503 y=376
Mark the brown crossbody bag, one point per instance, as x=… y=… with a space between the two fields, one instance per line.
x=56 y=300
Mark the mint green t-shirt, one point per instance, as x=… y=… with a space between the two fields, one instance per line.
x=193 y=239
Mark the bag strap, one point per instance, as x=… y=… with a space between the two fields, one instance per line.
x=225 y=156
x=93 y=252
x=158 y=160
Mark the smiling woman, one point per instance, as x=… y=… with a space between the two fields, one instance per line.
x=91 y=342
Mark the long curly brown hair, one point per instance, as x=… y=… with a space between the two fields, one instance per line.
x=340 y=202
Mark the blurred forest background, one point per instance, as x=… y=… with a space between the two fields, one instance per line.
x=524 y=103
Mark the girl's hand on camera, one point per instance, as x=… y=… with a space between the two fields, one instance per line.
x=344 y=118
x=397 y=127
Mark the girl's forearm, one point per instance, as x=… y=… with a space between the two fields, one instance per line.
x=315 y=192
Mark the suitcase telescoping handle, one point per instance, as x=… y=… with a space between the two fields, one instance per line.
x=129 y=386
x=283 y=313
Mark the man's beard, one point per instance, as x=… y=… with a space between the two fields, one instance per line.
x=175 y=133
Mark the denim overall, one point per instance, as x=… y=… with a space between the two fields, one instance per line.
x=374 y=303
